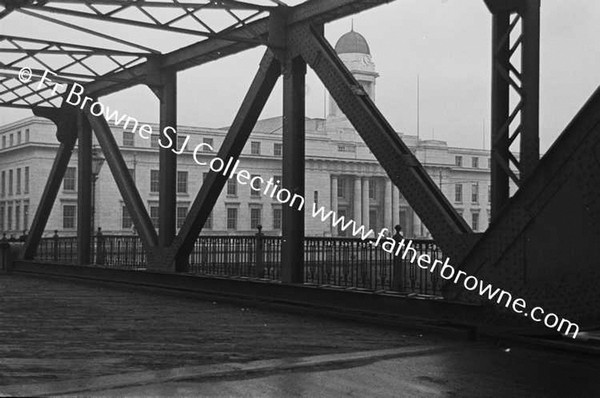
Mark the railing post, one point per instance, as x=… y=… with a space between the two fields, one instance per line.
x=397 y=274
x=55 y=245
x=259 y=253
x=100 y=252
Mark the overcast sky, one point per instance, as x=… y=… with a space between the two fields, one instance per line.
x=445 y=42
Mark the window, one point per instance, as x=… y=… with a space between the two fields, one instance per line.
x=207 y=141
x=254 y=193
x=277 y=218
x=18 y=217
x=69 y=214
x=475 y=192
x=3 y=189
x=1 y=217
x=10 y=182
x=475 y=221
x=346 y=148
x=3 y=141
x=458 y=161
x=26 y=180
x=126 y=221
x=182 y=212
x=316 y=198
x=209 y=222
x=9 y=217
x=70 y=178
x=154 y=181
x=255 y=148
x=18 y=141
x=372 y=189
x=18 y=181
x=26 y=135
x=232 y=187
x=182 y=182
x=341 y=185
x=475 y=162
x=181 y=142
x=25 y=214
x=255 y=217
x=232 y=214
x=154 y=215
x=489 y=193
x=12 y=140
x=489 y=163
x=458 y=193
x=154 y=141
x=128 y=138
x=277 y=149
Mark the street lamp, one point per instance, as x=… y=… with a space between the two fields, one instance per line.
x=97 y=162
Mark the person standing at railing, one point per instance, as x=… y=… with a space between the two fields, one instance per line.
x=397 y=273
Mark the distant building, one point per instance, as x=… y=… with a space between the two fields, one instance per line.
x=341 y=174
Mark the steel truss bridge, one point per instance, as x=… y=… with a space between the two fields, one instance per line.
x=522 y=251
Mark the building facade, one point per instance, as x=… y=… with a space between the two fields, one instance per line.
x=341 y=174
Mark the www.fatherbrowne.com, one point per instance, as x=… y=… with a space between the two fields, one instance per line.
x=448 y=272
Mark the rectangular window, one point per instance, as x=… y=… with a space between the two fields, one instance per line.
x=154 y=141
x=489 y=163
x=69 y=216
x=182 y=212
x=207 y=141
x=475 y=221
x=182 y=182
x=154 y=215
x=25 y=215
x=372 y=189
x=209 y=222
x=254 y=193
x=316 y=197
x=26 y=135
x=489 y=193
x=126 y=221
x=341 y=186
x=154 y=183
x=458 y=161
x=255 y=148
x=3 y=141
x=277 y=218
x=255 y=217
x=9 y=218
x=18 y=217
x=232 y=214
x=18 y=141
x=12 y=140
x=3 y=188
x=128 y=138
x=70 y=179
x=10 y=182
x=278 y=149
x=26 y=180
x=1 y=218
x=18 y=182
x=475 y=162
x=458 y=193
x=475 y=192
x=232 y=187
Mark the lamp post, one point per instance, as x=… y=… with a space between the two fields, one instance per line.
x=97 y=162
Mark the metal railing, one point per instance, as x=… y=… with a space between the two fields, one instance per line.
x=340 y=262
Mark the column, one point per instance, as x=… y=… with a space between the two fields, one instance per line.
x=417 y=225
x=292 y=250
x=396 y=207
x=388 y=221
x=365 y=202
x=357 y=200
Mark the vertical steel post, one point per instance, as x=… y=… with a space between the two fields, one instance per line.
x=500 y=109
x=530 y=71
x=292 y=267
x=84 y=190
x=168 y=160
